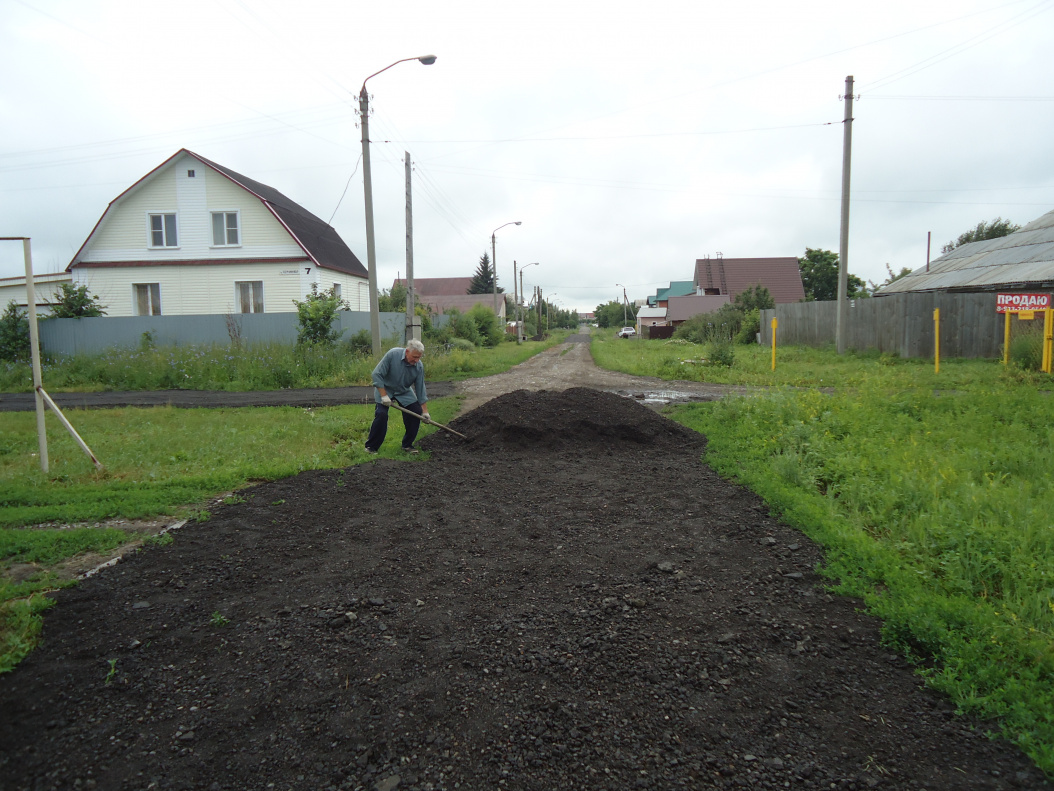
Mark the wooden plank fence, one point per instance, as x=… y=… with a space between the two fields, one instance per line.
x=898 y=324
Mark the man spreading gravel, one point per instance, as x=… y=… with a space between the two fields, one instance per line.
x=400 y=375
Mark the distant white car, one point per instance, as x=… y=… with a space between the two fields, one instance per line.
x=626 y=332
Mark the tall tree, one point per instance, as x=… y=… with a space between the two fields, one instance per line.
x=615 y=314
x=819 y=276
x=74 y=302
x=483 y=280
x=984 y=230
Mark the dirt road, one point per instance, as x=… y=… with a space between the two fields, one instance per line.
x=571 y=365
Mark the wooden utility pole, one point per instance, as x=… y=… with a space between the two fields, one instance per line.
x=413 y=323
x=843 y=237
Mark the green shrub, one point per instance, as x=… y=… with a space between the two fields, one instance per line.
x=1027 y=352
x=316 y=315
x=14 y=334
x=751 y=326
x=720 y=352
x=361 y=343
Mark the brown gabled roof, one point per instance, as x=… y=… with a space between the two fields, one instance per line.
x=316 y=238
x=439 y=304
x=781 y=276
x=683 y=308
x=439 y=286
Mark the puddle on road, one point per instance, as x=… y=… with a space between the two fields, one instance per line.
x=663 y=397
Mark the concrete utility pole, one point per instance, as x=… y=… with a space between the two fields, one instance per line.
x=413 y=323
x=494 y=259
x=367 y=188
x=843 y=237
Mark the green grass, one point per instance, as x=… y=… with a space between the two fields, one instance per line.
x=934 y=508
x=271 y=366
x=158 y=461
x=797 y=366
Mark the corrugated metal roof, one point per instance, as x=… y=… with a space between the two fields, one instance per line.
x=1023 y=259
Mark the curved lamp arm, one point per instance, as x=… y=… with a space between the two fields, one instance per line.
x=427 y=60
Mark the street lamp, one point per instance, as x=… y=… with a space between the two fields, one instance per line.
x=519 y=335
x=625 y=301
x=494 y=261
x=367 y=188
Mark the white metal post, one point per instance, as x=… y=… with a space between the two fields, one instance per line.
x=34 y=344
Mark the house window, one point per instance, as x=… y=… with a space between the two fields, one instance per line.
x=147 y=299
x=163 y=230
x=224 y=228
x=250 y=296
x=336 y=290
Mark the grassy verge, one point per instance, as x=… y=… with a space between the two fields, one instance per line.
x=160 y=461
x=797 y=366
x=935 y=509
x=271 y=366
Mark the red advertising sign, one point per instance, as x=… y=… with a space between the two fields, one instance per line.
x=1021 y=303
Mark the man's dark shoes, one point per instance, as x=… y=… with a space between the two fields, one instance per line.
x=411 y=450
x=371 y=451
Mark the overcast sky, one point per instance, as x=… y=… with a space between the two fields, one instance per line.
x=629 y=139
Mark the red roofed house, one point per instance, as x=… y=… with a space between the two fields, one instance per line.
x=731 y=276
x=680 y=309
x=439 y=286
x=192 y=237
x=441 y=294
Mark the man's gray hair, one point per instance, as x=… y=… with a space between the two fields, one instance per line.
x=416 y=345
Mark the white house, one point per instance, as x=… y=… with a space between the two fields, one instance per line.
x=46 y=286
x=193 y=237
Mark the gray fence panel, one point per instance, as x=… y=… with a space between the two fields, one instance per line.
x=899 y=323
x=67 y=337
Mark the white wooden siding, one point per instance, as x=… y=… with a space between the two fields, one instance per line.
x=193 y=290
x=46 y=287
x=258 y=227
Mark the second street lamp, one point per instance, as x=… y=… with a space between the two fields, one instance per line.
x=494 y=261
x=367 y=188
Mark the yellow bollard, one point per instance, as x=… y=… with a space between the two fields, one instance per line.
x=937 y=340
x=773 y=343
x=1048 y=340
x=1006 y=340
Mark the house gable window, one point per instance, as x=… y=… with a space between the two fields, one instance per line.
x=163 y=230
x=147 y=299
x=225 y=232
x=249 y=294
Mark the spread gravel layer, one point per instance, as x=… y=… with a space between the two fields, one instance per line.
x=568 y=599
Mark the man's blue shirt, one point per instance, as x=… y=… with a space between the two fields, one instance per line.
x=403 y=382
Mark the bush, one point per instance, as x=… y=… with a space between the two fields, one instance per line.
x=751 y=326
x=720 y=325
x=316 y=315
x=361 y=343
x=720 y=352
x=488 y=325
x=1027 y=352
x=14 y=334
x=462 y=345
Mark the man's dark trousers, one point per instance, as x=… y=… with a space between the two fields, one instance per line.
x=379 y=429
